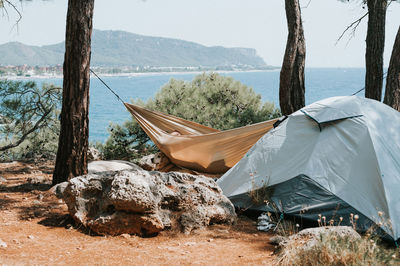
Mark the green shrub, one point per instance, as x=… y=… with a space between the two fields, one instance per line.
x=126 y=142
x=210 y=99
x=29 y=119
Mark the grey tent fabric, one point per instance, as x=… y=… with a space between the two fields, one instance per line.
x=340 y=155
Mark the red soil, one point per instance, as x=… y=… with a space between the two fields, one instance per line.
x=37 y=229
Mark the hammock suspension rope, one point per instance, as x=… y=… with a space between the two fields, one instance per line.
x=116 y=95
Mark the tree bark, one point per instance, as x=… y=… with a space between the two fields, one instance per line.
x=375 y=46
x=291 y=87
x=73 y=143
x=392 y=93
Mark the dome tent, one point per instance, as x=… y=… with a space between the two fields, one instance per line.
x=334 y=157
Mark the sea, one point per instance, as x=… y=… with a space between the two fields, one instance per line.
x=105 y=108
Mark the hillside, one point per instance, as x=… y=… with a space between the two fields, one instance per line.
x=119 y=48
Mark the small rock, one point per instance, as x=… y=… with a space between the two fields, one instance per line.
x=340 y=231
x=36 y=179
x=154 y=162
x=16 y=241
x=277 y=240
x=126 y=235
x=94 y=154
x=3 y=244
x=40 y=196
x=31 y=237
x=36 y=202
x=2 y=179
x=58 y=190
x=190 y=243
x=210 y=240
x=223 y=231
x=307 y=239
x=37 y=172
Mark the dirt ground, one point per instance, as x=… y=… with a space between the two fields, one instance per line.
x=35 y=228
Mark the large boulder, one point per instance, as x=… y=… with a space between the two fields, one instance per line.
x=95 y=167
x=139 y=202
x=113 y=165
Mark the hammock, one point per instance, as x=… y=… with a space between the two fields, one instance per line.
x=197 y=147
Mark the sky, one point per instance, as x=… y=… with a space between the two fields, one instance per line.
x=258 y=24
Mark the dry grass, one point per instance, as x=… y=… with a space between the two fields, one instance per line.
x=331 y=249
x=262 y=194
x=328 y=249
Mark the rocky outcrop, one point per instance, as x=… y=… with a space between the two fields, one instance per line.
x=139 y=202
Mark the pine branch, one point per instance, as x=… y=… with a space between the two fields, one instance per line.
x=24 y=136
x=353 y=26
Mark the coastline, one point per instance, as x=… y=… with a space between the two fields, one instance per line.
x=139 y=74
x=161 y=73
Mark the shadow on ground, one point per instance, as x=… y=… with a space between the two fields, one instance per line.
x=26 y=187
x=5 y=203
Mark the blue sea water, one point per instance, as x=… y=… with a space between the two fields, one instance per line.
x=105 y=108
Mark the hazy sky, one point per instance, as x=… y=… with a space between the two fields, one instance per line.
x=259 y=24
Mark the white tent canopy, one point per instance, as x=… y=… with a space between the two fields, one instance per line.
x=333 y=157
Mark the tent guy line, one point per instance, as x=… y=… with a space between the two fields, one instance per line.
x=363 y=88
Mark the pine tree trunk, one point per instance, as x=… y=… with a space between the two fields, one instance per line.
x=392 y=94
x=291 y=87
x=74 y=134
x=374 y=51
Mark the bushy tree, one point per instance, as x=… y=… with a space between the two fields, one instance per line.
x=210 y=99
x=29 y=119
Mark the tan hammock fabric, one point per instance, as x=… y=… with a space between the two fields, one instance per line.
x=197 y=147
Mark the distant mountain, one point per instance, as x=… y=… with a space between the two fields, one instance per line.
x=119 y=48
x=15 y=53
